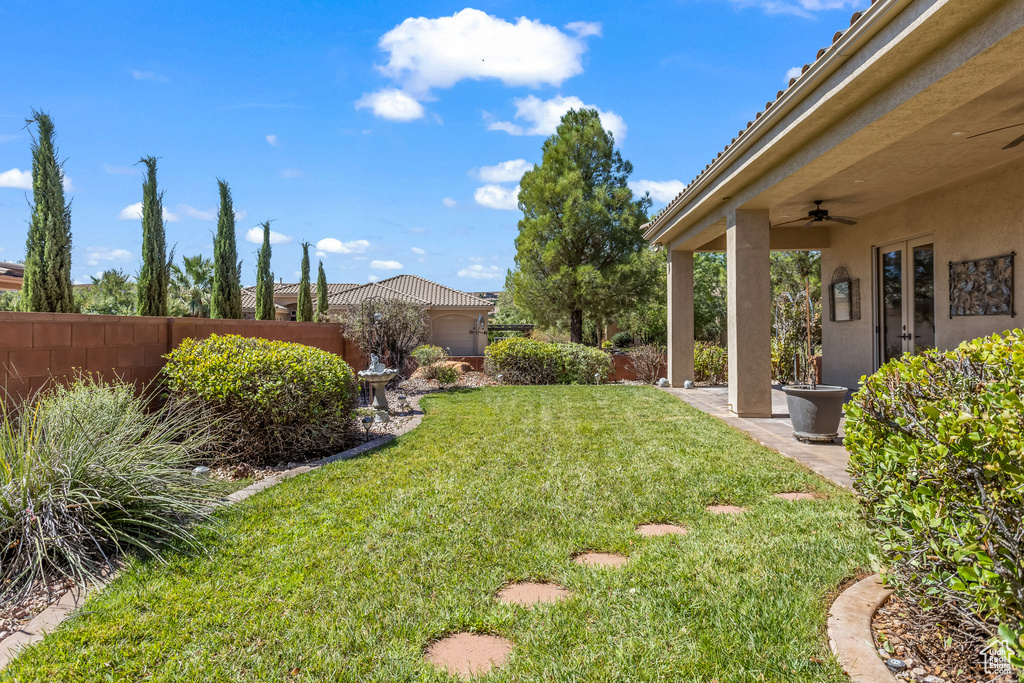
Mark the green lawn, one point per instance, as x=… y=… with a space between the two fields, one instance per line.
x=346 y=573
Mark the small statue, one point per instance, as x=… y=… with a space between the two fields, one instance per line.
x=375 y=364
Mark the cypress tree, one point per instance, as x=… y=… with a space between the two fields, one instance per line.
x=321 y=294
x=304 y=308
x=264 y=279
x=226 y=300
x=47 y=282
x=155 y=274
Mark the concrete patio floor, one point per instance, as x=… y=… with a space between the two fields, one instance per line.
x=827 y=459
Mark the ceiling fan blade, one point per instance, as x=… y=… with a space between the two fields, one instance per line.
x=843 y=219
x=795 y=220
x=809 y=223
x=1015 y=143
x=994 y=130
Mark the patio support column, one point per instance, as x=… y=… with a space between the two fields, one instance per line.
x=750 y=313
x=680 y=317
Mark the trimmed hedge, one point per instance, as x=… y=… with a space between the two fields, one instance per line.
x=936 y=443
x=273 y=399
x=528 y=361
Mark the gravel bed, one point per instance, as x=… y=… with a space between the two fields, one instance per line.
x=13 y=617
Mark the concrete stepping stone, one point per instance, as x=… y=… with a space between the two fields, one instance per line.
x=528 y=593
x=725 y=509
x=468 y=654
x=661 y=530
x=798 y=496
x=601 y=559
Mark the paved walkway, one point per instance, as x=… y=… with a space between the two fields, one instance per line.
x=776 y=432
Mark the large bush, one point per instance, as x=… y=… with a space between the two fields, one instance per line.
x=710 y=363
x=88 y=473
x=529 y=361
x=936 y=443
x=389 y=329
x=647 y=361
x=273 y=399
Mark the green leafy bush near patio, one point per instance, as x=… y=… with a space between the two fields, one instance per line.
x=528 y=361
x=622 y=339
x=273 y=399
x=87 y=473
x=710 y=363
x=936 y=443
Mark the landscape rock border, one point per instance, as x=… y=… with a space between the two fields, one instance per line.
x=849 y=631
x=51 y=617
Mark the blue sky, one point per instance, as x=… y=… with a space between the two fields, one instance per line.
x=389 y=135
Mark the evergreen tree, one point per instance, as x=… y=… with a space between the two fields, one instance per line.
x=227 y=281
x=264 y=279
x=580 y=238
x=321 y=294
x=304 y=308
x=47 y=281
x=155 y=274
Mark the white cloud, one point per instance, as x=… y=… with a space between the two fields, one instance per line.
x=240 y=215
x=803 y=8
x=661 y=191
x=133 y=212
x=372 y=278
x=449 y=202
x=505 y=172
x=272 y=140
x=16 y=178
x=192 y=212
x=543 y=116
x=417 y=250
x=334 y=246
x=93 y=255
x=122 y=170
x=478 y=272
x=68 y=185
x=255 y=235
x=794 y=73
x=497 y=197
x=147 y=76
x=386 y=265
x=584 y=29
x=392 y=104
x=291 y=173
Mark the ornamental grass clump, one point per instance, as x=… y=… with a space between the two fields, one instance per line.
x=936 y=443
x=274 y=400
x=88 y=474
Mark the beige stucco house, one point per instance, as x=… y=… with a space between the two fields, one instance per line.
x=458 y=321
x=910 y=123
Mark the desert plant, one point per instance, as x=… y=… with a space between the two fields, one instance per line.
x=446 y=374
x=430 y=359
x=622 y=339
x=273 y=399
x=647 y=361
x=710 y=363
x=935 y=445
x=88 y=473
x=387 y=328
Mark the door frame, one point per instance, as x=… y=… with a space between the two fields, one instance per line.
x=906 y=246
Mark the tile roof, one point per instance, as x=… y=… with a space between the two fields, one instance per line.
x=793 y=81
x=410 y=288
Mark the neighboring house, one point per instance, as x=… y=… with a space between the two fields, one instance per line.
x=11 y=275
x=911 y=122
x=458 y=321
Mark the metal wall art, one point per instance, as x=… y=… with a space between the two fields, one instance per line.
x=982 y=286
x=843 y=297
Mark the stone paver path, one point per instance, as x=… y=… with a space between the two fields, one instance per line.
x=468 y=654
x=661 y=530
x=528 y=594
x=601 y=559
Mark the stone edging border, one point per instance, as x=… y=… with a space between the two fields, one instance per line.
x=849 y=631
x=52 y=616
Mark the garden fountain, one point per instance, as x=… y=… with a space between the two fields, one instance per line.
x=377 y=376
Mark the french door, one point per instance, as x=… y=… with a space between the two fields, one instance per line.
x=906 y=298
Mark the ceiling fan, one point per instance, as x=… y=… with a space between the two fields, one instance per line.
x=996 y=130
x=820 y=215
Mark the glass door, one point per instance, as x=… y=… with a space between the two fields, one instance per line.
x=906 y=291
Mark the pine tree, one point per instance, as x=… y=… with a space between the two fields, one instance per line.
x=321 y=294
x=227 y=281
x=47 y=282
x=304 y=308
x=580 y=238
x=155 y=274
x=264 y=279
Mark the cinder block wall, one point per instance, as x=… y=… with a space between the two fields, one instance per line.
x=37 y=348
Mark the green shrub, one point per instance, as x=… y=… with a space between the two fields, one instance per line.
x=430 y=359
x=622 y=339
x=528 y=361
x=445 y=374
x=936 y=443
x=710 y=363
x=87 y=474
x=274 y=399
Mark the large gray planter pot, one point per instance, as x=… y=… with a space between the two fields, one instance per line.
x=815 y=413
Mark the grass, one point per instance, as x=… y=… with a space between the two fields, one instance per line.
x=347 y=573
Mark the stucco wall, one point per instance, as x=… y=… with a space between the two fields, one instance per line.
x=451 y=329
x=977 y=217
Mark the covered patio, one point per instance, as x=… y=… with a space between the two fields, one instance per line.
x=910 y=123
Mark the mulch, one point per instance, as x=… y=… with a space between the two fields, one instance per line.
x=935 y=644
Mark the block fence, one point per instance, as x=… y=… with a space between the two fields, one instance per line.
x=37 y=348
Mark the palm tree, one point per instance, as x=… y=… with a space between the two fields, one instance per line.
x=191 y=287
